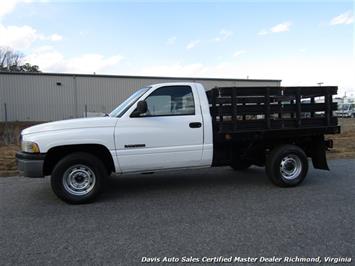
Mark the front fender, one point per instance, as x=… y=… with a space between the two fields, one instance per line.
x=50 y=139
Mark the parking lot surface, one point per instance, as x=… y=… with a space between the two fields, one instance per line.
x=208 y=212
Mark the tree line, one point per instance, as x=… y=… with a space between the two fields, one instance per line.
x=13 y=61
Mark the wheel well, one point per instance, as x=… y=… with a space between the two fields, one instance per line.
x=256 y=151
x=57 y=153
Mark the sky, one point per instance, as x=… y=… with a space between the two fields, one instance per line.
x=300 y=42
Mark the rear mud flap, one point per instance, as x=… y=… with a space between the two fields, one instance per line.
x=319 y=158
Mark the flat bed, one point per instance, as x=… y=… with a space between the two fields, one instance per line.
x=251 y=112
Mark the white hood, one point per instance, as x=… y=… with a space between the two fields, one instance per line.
x=94 y=122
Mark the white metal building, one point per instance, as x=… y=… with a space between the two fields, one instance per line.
x=52 y=96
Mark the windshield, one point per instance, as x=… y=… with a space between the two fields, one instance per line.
x=344 y=107
x=123 y=107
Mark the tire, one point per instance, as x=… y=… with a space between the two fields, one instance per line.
x=78 y=178
x=287 y=166
x=240 y=165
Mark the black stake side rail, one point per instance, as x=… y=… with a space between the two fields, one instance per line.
x=250 y=109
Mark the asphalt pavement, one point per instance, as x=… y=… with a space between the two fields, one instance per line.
x=199 y=213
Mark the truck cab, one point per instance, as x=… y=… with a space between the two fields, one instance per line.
x=169 y=126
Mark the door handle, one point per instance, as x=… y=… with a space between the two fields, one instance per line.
x=195 y=124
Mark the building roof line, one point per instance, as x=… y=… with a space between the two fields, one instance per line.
x=131 y=76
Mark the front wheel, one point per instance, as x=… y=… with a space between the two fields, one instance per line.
x=78 y=178
x=287 y=165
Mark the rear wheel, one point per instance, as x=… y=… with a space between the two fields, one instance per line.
x=78 y=178
x=287 y=165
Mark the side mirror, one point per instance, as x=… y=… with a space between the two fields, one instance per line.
x=141 y=109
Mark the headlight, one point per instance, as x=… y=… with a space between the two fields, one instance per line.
x=29 y=146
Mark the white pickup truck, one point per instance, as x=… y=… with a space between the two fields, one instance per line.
x=180 y=126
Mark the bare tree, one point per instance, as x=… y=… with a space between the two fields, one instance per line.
x=12 y=61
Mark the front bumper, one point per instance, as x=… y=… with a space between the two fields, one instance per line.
x=30 y=164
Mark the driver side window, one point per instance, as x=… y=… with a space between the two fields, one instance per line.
x=170 y=101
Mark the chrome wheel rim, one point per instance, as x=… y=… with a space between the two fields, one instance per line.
x=290 y=167
x=79 y=180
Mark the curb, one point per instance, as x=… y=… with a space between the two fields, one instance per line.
x=9 y=173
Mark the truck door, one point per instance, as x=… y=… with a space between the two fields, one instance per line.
x=168 y=135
